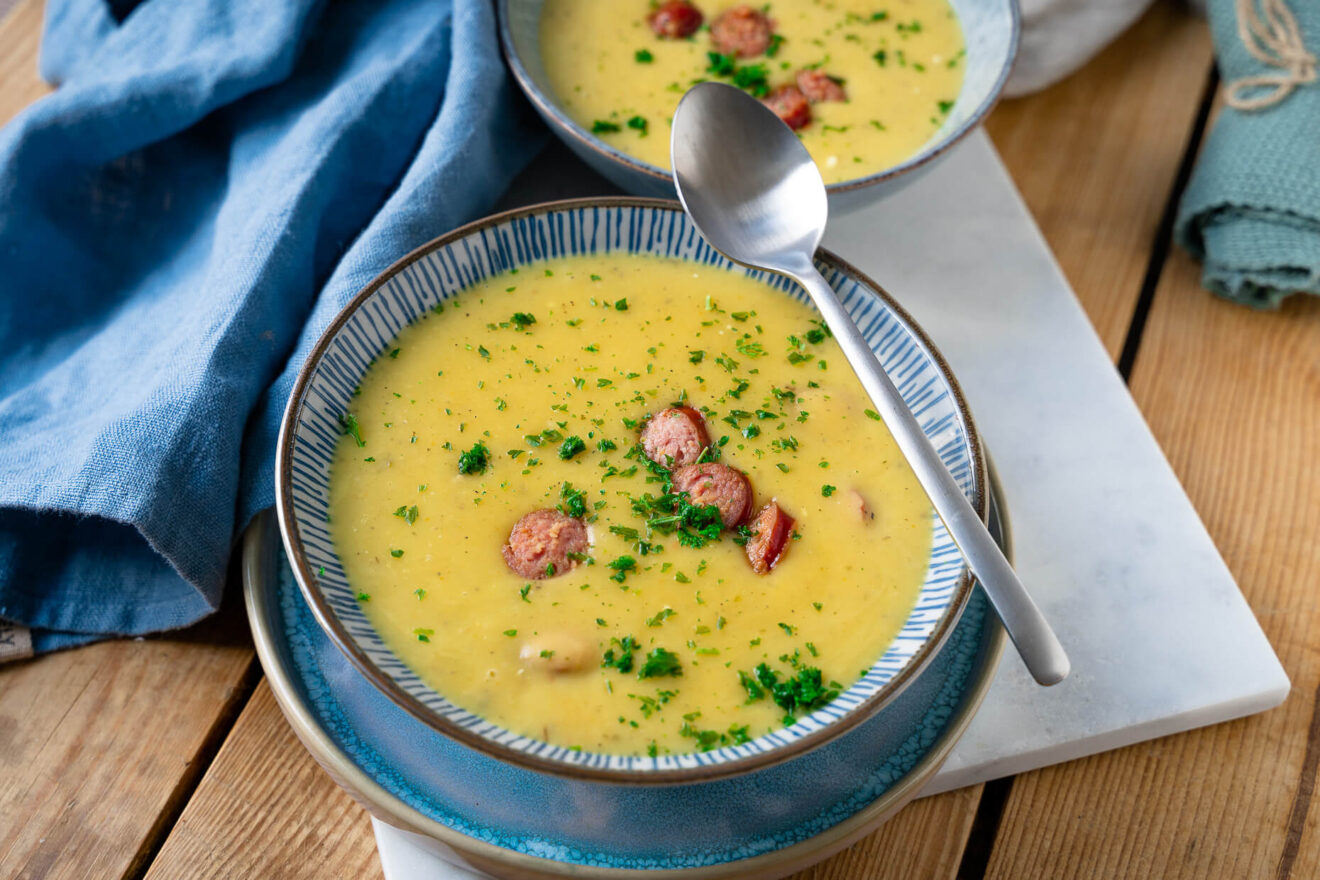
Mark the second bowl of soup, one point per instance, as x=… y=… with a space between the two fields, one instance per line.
x=874 y=90
x=575 y=490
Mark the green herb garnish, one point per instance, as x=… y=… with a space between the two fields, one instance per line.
x=623 y=660
x=660 y=663
x=571 y=446
x=352 y=428
x=475 y=460
x=574 y=501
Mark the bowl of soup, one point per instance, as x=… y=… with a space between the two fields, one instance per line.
x=876 y=91
x=581 y=494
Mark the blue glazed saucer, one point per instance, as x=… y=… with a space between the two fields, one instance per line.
x=514 y=822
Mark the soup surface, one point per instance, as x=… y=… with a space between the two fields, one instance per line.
x=874 y=80
x=530 y=392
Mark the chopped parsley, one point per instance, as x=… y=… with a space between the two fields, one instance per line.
x=604 y=126
x=574 y=501
x=408 y=514
x=643 y=56
x=660 y=663
x=638 y=124
x=827 y=490
x=803 y=692
x=571 y=446
x=475 y=460
x=713 y=739
x=522 y=320
x=872 y=415
x=752 y=686
x=660 y=616
x=623 y=659
x=352 y=428
x=622 y=565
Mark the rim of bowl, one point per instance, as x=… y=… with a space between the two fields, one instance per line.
x=388 y=808
x=549 y=107
x=338 y=633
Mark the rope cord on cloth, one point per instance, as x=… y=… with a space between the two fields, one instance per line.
x=1273 y=38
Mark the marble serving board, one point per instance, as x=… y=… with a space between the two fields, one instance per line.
x=1159 y=635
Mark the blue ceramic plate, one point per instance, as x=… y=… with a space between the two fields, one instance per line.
x=511 y=821
x=408 y=291
x=990 y=30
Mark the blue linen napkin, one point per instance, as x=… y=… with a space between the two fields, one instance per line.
x=179 y=221
x=1251 y=210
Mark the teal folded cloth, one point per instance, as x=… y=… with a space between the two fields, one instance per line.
x=1251 y=211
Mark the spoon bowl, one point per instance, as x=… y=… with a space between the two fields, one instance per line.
x=755 y=194
x=746 y=191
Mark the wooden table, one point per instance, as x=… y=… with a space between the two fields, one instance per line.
x=168 y=758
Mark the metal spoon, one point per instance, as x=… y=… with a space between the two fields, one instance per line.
x=756 y=195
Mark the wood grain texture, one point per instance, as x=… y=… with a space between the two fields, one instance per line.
x=20 y=37
x=265 y=809
x=1095 y=157
x=1234 y=398
x=99 y=746
x=925 y=840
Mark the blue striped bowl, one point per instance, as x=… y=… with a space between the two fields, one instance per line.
x=443 y=269
x=990 y=31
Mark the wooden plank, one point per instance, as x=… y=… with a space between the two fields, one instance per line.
x=99 y=746
x=1095 y=157
x=265 y=809
x=1234 y=398
x=20 y=35
x=925 y=840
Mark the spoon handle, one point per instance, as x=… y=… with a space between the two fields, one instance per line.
x=1027 y=627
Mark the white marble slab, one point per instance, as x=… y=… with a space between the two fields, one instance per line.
x=1160 y=637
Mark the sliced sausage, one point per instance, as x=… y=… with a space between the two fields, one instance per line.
x=557 y=653
x=817 y=86
x=771 y=530
x=541 y=541
x=790 y=105
x=674 y=437
x=718 y=484
x=742 y=31
x=675 y=19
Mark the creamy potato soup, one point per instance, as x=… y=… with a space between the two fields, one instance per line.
x=864 y=82
x=627 y=504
